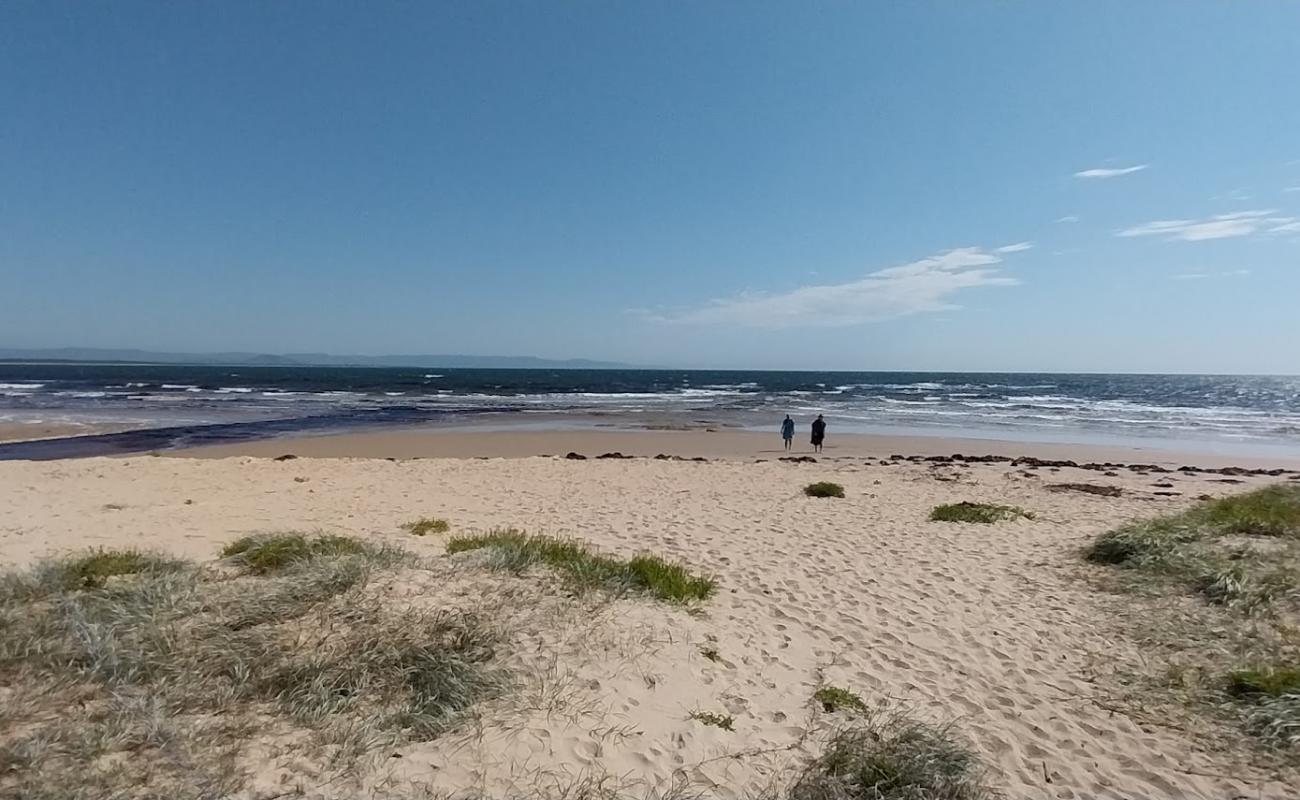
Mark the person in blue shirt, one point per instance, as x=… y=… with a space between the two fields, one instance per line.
x=787 y=431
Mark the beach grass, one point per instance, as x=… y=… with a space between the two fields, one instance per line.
x=89 y=569
x=149 y=677
x=1240 y=556
x=724 y=721
x=1269 y=681
x=983 y=513
x=824 y=489
x=834 y=698
x=586 y=569
x=267 y=553
x=426 y=525
x=893 y=757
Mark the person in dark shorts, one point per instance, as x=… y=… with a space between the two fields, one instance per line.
x=818 y=433
x=787 y=431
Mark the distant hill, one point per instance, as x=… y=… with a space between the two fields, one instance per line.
x=105 y=355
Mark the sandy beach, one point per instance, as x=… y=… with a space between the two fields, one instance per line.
x=996 y=629
x=732 y=445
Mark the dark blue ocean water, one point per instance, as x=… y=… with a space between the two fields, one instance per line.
x=245 y=402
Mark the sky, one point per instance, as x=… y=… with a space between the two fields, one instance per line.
x=1002 y=186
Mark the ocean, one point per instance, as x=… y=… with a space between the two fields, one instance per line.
x=167 y=406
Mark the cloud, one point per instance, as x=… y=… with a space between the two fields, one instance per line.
x=1067 y=218
x=1195 y=276
x=1220 y=226
x=920 y=286
x=1018 y=247
x=1109 y=172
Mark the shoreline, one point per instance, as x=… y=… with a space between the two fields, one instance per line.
x=724 y=445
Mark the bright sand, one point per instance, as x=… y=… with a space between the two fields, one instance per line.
x=996 y=628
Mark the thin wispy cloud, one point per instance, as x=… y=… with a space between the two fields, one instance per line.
x=1068 y=218
x=927 y=285
x=1292 y=189
x=1219 y=226
x=1018 y=247
x=1109 y=172
x=1198 y=276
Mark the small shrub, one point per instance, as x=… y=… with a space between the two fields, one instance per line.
x=1270 y=681
x=711 y=653
x=892 y=757
x=984 y=513
x=833 y=698
x=824 y=489
x=426 y=525
x=270 y=553
x=584 y=569
x=723 y=721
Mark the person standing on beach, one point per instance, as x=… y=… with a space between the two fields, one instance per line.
x=787 y=431
x=818 y=433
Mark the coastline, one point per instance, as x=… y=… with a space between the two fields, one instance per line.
x=713 y=444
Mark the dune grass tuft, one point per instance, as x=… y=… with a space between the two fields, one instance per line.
x=893 y=757
x=984 y=513
x=834 y=698
x=267 y=553
x=1271 y=681
x=824 y=489
x=1241 y=555
x=426 y=525
x=711 y=653
x=90 y=569
x=585 y=569
x=724 y=721
x=1271 y=511
x=151 y=687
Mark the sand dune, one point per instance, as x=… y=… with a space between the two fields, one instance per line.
x=996 y=628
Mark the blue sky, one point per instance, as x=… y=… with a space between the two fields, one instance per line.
x=1101 y=186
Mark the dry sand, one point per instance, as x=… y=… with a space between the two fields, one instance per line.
x=995 y=627
x=434 y=442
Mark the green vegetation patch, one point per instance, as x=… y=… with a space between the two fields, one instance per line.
x=267 y=553
x=586 y=569
x=87 y=570
x=984 y=513
x=833 y=698
x=893 y=757
x=1270 y=681
x=1271 y=511
x=723 y=721
x=426 y=525
x=154 y=686
x=1241 y=555
x=824 y=489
